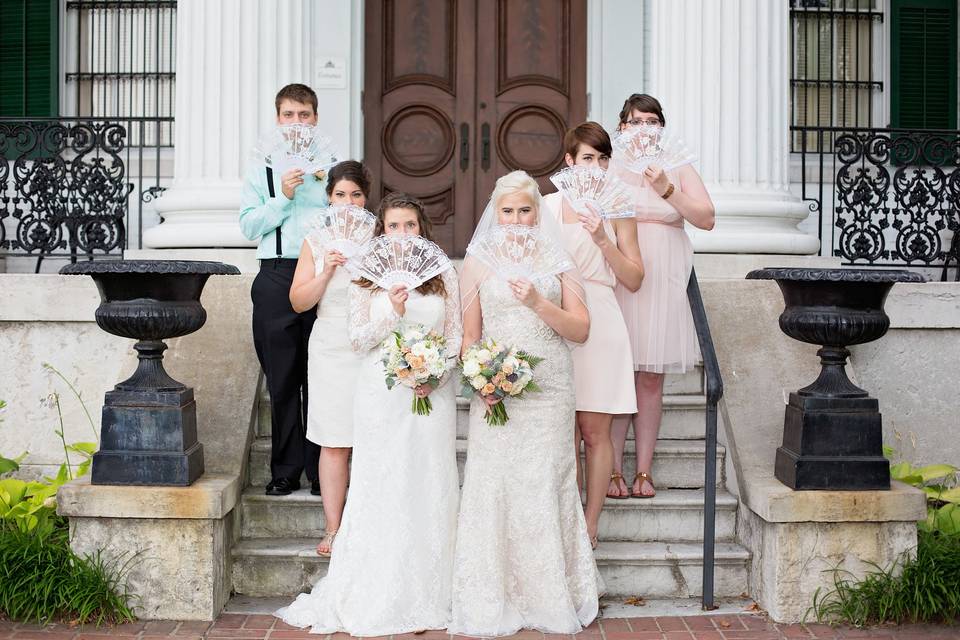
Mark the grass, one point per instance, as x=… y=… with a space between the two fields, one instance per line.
x=42 y=580
x=924 y=588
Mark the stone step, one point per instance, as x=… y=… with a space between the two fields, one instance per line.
x=286 y=566
x=677 y=464
x=683 y=417
x=673 y=514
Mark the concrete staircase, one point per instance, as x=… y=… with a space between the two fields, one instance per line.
x=651 y=548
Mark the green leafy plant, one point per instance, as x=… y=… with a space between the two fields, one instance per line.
x=42 y=579
x=941 y=483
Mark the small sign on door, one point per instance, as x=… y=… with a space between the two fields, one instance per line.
x=331 y=73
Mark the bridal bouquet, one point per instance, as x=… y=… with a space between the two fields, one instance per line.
x=491 y=370
x=413 y=356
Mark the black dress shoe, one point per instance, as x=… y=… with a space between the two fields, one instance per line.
x=315 y=488
x=282 y=487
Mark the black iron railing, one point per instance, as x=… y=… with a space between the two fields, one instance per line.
x=713 y=384
x=886 y=197
x=74 y=187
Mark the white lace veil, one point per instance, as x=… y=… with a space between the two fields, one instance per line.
x=552 y=259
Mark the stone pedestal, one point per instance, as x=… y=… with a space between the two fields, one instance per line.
x=175 y=541
x=798 y=538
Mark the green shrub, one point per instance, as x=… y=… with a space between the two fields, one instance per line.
x=925 y=588
x=42 y=580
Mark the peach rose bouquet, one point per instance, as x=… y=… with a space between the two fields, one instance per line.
x=493 y=371
x=413 y=356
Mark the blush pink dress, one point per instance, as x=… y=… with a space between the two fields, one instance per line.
x=602 y=366
x=658 y=318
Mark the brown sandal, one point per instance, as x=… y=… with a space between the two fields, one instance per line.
x=328 y=538
x=616 y=476
x=643 y=476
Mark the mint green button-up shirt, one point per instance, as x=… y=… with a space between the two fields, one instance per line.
x=260 y=215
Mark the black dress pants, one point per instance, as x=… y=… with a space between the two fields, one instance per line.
x=280 y=336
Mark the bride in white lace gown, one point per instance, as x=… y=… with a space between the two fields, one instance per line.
x=392 y=560
x=523 y=557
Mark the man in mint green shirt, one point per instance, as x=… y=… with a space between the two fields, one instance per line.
x=275 y=209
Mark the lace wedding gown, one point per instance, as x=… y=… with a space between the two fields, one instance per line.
x=392 y=561
x=523 y=556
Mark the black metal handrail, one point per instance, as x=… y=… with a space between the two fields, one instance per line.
x=713 y=384
x=885 y=196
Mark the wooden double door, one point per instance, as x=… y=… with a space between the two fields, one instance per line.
x=459 y=92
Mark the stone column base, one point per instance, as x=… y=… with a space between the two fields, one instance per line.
x=177 y=540
x=798 y=538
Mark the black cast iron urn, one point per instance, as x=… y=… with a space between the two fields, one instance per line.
x=148 y=432
x=832 y=429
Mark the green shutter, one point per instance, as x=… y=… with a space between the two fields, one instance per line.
x=923 y=73
x=29 y=58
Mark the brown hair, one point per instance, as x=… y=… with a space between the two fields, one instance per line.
x=297 y=93
x=644 y=103
x=399 y=200
x=350 y=170
x=590 y=134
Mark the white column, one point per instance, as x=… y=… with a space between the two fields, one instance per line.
x=232 y=57
x=721 y=70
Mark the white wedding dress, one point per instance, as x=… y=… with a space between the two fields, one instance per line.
x=523 y=557
x=392 y=562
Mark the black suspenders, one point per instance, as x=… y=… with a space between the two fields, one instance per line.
x=273 y=194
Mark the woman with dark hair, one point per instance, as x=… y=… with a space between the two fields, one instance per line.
x=606 y=254
x=662 y=335
x=332 y=365
x=392 y=569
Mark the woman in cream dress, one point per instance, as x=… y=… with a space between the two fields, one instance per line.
x=331 y=364
x=662 y=336
x=606 y=253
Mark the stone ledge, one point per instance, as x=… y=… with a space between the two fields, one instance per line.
x=933 y=305
x=211 y=497
x=775 y=502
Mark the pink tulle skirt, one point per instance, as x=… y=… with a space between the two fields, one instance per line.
x=659 y=323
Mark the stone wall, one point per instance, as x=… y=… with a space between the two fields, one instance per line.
x=50 y=318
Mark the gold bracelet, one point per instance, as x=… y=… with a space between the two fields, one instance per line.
x=668 y=192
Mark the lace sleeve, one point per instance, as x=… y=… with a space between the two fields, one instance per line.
x=365 y=333
x=452 y=318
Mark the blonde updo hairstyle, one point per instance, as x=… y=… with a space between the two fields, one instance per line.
x=517 y=182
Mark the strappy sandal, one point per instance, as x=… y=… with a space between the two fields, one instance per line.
x=643 y=476
x=616 y=476
x=328 y=539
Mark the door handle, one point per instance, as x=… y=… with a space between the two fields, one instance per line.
x=464 y=146
x=485 y=146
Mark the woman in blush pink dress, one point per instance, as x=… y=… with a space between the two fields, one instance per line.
x=606 y=253
x=662 y=336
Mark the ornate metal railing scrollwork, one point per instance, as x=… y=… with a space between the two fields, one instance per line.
x=63 y=188
x=895 y=196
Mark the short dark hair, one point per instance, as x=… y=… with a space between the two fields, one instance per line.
x=590 y=134
x=641 y=102
x=350 y=170
x=297 y=93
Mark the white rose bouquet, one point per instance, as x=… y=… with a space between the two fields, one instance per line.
x=493 y=371
x=413 y=356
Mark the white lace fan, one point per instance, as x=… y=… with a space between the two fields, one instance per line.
x=342 y=227
x=390 y=260
x=580 y=185
x=296 y=146
x=518 y=251
x=640 y=146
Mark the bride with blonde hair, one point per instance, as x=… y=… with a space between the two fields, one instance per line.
x=523 y=557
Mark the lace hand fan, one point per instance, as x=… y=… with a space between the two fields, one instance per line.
x=580 y=185
x=641 y=146
x=296 y=146
x=390 y=260
x=342 y=227
x=518 y=251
